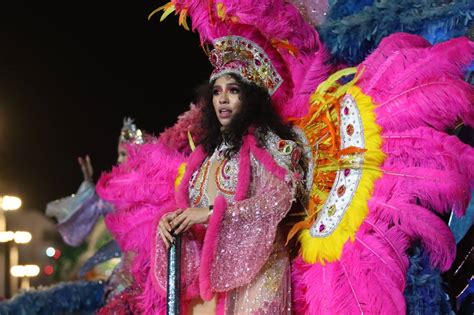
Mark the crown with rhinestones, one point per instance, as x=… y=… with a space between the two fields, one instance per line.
x=264 y=42
x=241 y=56
x=130 y=133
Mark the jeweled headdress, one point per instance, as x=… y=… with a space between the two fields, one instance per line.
x=264 y=42
x=130 y=133
x=241 y=56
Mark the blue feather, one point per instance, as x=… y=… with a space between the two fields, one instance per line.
x=78 y=297
x=351 y=36
x=424 y=292
x=342 y=8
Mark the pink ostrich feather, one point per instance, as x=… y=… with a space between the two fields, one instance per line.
x=209 y=248
x=427 y=147
x=438 y=102
x=275 y=19
x=450 y=59
x=131 y=228
x=419 y=223
x=298 y=287
x=146 y=177
x=134 y=232
x=194 y=161
x=377 y=277
x=382 y=268
x=402 y=59
x=387 y=47
x=140 y=189
x=150 y=301
x=418 y=85
x=367 y=279
x=308 y=73
x=176 y=137
x=429 y=166
x=419 y=93
x=440 y=189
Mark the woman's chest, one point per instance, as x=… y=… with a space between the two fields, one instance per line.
x=216 y=176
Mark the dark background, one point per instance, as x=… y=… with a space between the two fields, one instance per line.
x=69 y=72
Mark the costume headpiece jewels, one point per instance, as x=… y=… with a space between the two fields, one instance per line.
x=241 y=56
x=130 y=133
x=285 y=54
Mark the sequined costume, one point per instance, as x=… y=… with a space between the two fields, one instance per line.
x=78 y=214
x=80 y=218
x=242 y=253
x=382 y=166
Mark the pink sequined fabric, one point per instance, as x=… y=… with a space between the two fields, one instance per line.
x=190 y=260
x=250 y=262
x=247 y=234
x=269 y=293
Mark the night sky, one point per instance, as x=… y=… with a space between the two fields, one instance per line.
x=70 y=72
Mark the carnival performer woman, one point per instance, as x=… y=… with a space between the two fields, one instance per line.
x=78 y=214
x=80 y=217
x=379 y=158
x=243 y=183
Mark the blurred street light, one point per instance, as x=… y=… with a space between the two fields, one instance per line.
x=10 y=240
x=6 y=236
x=25 y=273
x=48 y=270
x=50 y=251
x=18 y=271
x=22 y=237
x=10 y=253
x=32 y=270
x=9 y=203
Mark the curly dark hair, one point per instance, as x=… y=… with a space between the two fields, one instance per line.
x=257 y=111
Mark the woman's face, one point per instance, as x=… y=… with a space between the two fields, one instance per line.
x=121 y=153
x=226 y=98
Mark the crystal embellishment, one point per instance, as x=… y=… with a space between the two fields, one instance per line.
x=347 y=179
x=241 y=56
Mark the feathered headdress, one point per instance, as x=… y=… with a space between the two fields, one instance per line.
x=265 y=42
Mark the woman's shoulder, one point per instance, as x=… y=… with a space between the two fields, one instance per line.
x=295 y=156
x=286 y=152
